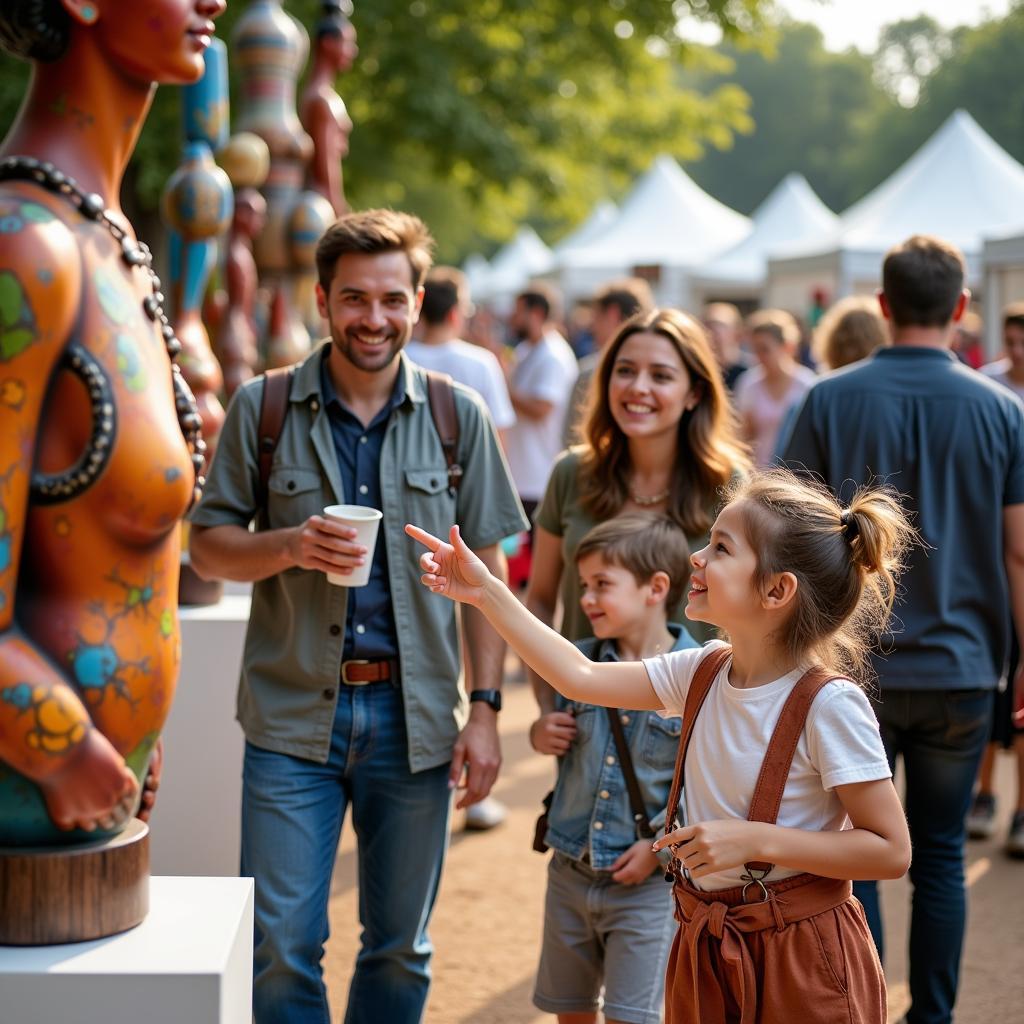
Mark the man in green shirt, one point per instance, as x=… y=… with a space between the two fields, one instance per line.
x=353 y=696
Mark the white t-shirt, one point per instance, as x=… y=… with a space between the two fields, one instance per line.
x=1000 y=371
x=473 y=366
x=547 y=370
x=840 y=744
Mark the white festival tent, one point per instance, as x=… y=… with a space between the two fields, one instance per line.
x=478 y=274
x=960 y=185
x=791 y=214
x=513 y=266
x=600 y=218
x=1003 y=259
x=666 y=228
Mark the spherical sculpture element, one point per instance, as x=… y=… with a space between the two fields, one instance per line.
x=245 y=159
x=311 y=216
x=197 y=200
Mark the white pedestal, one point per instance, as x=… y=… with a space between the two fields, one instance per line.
x=190 y=960
x=196 y=825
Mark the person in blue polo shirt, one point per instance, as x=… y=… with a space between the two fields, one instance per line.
x=952 y=443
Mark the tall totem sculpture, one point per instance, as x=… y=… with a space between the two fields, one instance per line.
x=269 y=50
x=246 y=160
x=100 y=457
x=197 y=205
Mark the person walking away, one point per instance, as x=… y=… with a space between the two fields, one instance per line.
x=961 y=478
x=787 y=793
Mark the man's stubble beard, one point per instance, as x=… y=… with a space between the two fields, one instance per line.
x=394 y=345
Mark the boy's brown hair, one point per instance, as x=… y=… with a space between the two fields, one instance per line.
x=372 y=232
x=642 y=544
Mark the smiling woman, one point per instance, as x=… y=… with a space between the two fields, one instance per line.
x=659 y=435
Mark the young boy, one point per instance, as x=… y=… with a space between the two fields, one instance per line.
x=609 y=917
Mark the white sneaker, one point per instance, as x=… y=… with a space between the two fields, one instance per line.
x=485 y=815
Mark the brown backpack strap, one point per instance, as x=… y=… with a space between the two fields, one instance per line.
x=441 y=395
x=641 y=822
x=778 y=759
x=704 y=675
x=277 y=386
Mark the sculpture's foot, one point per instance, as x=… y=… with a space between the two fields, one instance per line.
x=75 y=893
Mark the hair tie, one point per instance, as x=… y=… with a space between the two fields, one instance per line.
x=850 y=528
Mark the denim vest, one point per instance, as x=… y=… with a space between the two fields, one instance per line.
x=590 y=811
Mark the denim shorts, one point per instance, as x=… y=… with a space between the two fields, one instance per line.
x=600 y=934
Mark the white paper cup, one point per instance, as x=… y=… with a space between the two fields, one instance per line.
x=365 y=521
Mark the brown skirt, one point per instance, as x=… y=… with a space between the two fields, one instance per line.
x=804 y=954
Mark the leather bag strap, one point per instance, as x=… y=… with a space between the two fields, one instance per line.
x=277 y=386
x=636 y=801
x=441 y=396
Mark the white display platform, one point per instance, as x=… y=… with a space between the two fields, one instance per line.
x=190 y=960
x=196 y=824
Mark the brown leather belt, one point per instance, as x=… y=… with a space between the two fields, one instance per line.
x=360 y=671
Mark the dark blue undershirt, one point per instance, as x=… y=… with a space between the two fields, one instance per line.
x=370 y=621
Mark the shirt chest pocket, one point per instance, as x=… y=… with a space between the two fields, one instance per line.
x=293 y=495
x=662 y=741
x=431 y=504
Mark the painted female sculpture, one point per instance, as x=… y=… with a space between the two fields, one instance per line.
x=99 y=438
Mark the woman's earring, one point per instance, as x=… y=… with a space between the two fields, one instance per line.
x=88 y=13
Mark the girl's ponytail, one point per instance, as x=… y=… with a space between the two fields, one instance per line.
x=878 y=533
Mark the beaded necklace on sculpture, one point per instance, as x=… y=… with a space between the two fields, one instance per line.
x=56 y=487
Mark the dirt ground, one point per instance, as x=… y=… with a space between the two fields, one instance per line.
x=486 y=928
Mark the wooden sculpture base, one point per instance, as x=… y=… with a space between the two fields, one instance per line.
x=55 y=895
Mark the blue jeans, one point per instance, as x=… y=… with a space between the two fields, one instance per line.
x=941 y=735
x=292 y=810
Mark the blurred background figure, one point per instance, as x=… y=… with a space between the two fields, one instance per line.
x=1009 y=370
x=440 y=345
x=850 y=331
x=613 y=305
x=1006 y=735
x=967 y=344
x=725 y=326
x=766 y=392
x=540 y=380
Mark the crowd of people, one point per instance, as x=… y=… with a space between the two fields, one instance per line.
x=643 y=488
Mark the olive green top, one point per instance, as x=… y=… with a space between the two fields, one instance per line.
x=562 y=513
x=293 y=647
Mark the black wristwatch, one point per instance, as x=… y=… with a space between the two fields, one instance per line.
x=492 y=698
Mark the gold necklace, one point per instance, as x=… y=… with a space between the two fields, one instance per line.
x=646 y=500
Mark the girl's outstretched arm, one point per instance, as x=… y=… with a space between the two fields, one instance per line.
x=450 y=568
x=877 y=846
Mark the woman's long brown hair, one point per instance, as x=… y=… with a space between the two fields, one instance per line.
x=708 y=453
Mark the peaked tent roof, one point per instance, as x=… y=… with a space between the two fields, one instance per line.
x=666 y=220
x=792 y=213
x=516 y=262
x=600 y=218
x=960 y=185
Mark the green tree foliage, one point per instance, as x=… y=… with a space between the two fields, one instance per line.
x=478 y=113
x=814 y=111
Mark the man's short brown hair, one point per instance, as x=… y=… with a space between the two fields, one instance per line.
x=443 y=290
x=372 y=232
x=541 y=296
x=643 y=544
x=630 y=295
x=776 y=323
x=922 y=281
